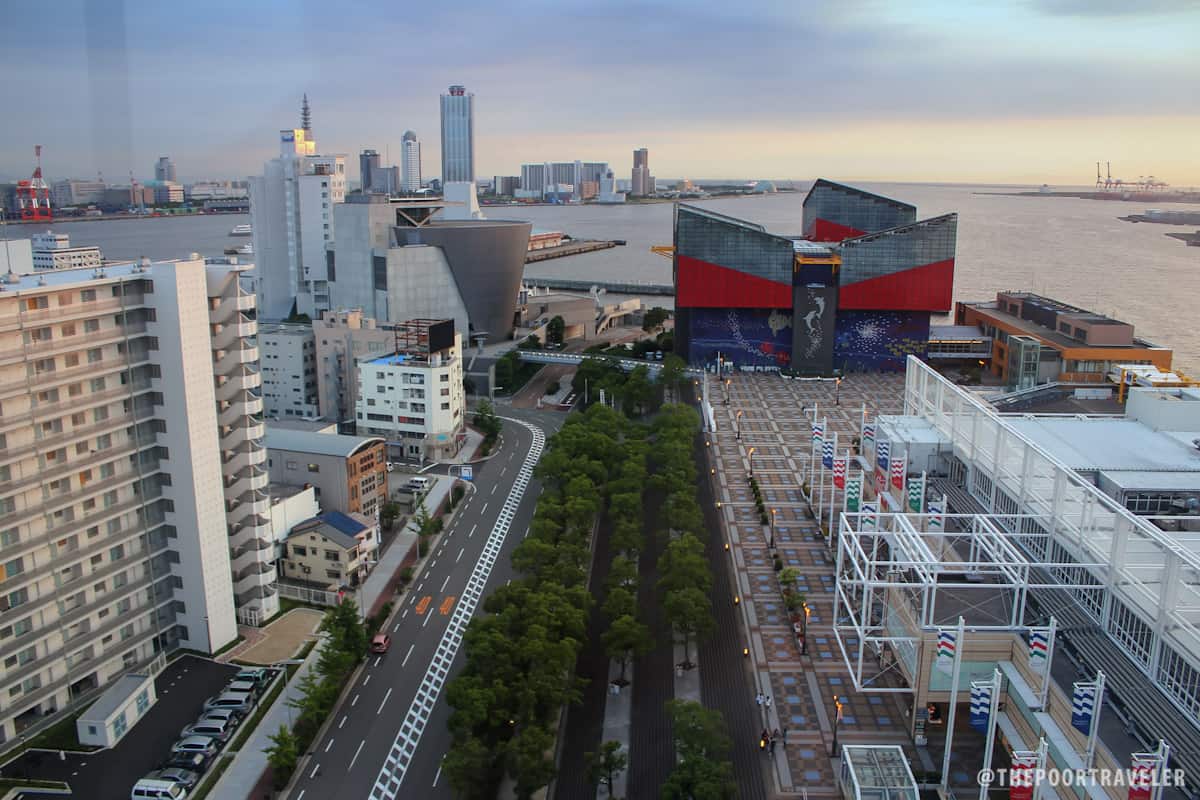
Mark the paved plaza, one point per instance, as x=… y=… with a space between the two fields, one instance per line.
x=801 y=687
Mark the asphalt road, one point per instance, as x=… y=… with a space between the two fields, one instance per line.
x=381 y=717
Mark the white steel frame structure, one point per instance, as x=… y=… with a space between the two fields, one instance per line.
x=1150 y=604
x=900 y=578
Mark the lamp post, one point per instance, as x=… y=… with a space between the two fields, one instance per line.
x=737 y=423
x=727 y=382
x=771 y=544
x=837 y=718
x=837 y=392
x=751 y=454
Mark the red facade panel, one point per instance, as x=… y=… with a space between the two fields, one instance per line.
x=925 y=288
x=825 y=231
x=700 y=284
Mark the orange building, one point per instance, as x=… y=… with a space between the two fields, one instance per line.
x=1037 y=340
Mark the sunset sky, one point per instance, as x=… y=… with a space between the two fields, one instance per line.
x=1016 y=92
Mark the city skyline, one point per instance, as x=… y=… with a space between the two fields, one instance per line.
x=1025 y=94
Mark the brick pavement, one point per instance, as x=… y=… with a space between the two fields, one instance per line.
x=801 y=686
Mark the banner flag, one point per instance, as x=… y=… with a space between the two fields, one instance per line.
x=981 y=705
x=899 y=467
x=827 y=454
x=916 y=494
x=947 y=644
x=883 y=450
x=853 y=496
x=1039 y=648
x=839 y=472
x=870 y=517
x=1083 y=706
x=937 y=515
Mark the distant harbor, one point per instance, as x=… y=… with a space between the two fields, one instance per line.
x=615 y=287
x=1118 y=196
x=1165 y=217
x=571 y=247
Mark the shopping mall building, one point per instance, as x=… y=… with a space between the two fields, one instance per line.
x=853 y=292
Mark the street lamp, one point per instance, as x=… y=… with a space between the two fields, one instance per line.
x=727 y=382
x=771 y=544
x=804 y=627
x=837 y=718
x=751 y=453
x=837 y=392
x=737 y=422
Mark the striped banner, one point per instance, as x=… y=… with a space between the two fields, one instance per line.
x=883 y=451
x=818 y=432
x=981 y=705
x=916 y=494
x=899 y=467
x=937 y=515
x=870 y=517
x=1083 y=706
x=947 y=644
x=839 y=472
x=853 y=496
x=1141 y=777
x=880 y=481
x=1021 y=775
x=1039 y=649
x=827 y=454
x=868 y=435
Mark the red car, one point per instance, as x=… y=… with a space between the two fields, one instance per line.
x=380 y=643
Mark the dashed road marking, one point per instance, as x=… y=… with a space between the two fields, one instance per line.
x=343 y=722
x=354 y=702
x=356 y=752
x=444 y=584
x=406 y=655
x=329 y=745
x=385 y=699
x=458 y=558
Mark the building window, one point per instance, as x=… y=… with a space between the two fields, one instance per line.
x=333 y=555
x=333 y=573
x=297 y=550
x=14 y=568
x=314 y=467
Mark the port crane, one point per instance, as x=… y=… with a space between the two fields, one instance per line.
x=33 y=195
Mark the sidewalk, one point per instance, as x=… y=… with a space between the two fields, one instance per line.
x=375 y=587
x=243 y=775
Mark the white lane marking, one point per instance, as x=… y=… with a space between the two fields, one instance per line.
x=377 y=660
x=427 y=618
x=409 y=653
x=356 y=752
x=412 y=599
x=385 y=699
x=507 y=582
x=444 y=584
x=408 y=738
x=367 y=679
x=402 y=616
x=495 y=486
x=458 y=557
x=329 y=745
x=301 y=795
x=313 y=774
x=396 y=627
x=484 y=510
x=354 y=702
x=472 y=533
x=419 y=585
x=343 y=722
x=438 y=775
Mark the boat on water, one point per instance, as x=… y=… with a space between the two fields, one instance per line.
x=241 y=230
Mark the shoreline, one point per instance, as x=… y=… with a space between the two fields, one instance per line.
x=123 y=217
x=1110 y=197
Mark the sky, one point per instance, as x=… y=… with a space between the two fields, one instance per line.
x=1020 y=92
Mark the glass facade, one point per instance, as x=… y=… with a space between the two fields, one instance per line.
x=873 y=256
x=734 y=244
x=458 y=136
x=853 y=208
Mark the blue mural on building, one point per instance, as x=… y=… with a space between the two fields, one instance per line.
x=879 y=340
x=757 y=336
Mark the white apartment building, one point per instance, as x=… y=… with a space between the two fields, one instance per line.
x=16 y=256
x=413 y=397
x=54 y=251
x=67 y=193
x=132 y=490
x=168 y=192
x=410 y=163
x=291 y=210
x=289 y=370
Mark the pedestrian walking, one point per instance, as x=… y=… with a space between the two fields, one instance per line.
x=763 y=739
x=758 y=698
x=783 y=738
x=767 y=702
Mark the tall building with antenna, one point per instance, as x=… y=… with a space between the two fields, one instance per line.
x=291 y=210
x=458 y=136
x=410 y=163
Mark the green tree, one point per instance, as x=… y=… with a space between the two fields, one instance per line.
x=682 y=565
x=672 y=373
x=604 y=766
x=654 y=319
x=282 y=755
x=619 y=602
x=689 y=612
x=555 y=329
x=637 y=391
x=625 y=639
x=485 y=419
x=702 y=770
x=346 y=629
x=531 y=760
x=470 y=768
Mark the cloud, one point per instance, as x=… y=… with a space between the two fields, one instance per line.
x=1113 y=8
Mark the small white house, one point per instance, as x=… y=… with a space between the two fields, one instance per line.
x=117 y=710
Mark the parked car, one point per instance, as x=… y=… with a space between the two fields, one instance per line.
x=380 y=643
x=261 y=676
x=217 y=730
x=154 y=789
x=192 y=762
x=205 y=745
x=184 y=777
x=241 y=702
x=229 y=716
x=240 y=686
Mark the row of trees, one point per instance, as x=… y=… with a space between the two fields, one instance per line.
x=319 y=688
x=636 y=391
x=487 y=423
x=521 y=654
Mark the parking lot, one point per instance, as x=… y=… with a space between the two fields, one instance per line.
x=110 y=774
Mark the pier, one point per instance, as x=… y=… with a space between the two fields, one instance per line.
x=616 y=287
x=571 y=248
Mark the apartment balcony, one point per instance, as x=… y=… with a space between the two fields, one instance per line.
x=97 y=308
x=246 y=455
x=249 y=481
x=253 y=526
x=250 y=503
x=48 y=505
x=72 y=344
x=233 y=331
x=236 y=384
x=251 y=431
x=63 y=438
x=235 y=358
x=239 y=409
x=59 y=377
x=255 y=592
x=253 y=575
x=230 y=306
x=255 y=557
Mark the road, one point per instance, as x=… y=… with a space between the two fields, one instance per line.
x=388 y=737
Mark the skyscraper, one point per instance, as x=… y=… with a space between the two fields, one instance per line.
x=164 y=169
x=410 y=163
x=642 y=184
x=133 y=499
x=291 y=209
x=458 y=136
x=368 y=165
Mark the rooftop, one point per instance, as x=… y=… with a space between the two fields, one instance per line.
x=1055 y=338
x=284 y=329
x=1091 y=444
x=324 y=444
x=841 y=187
x=114 y=697
x=341 y=529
